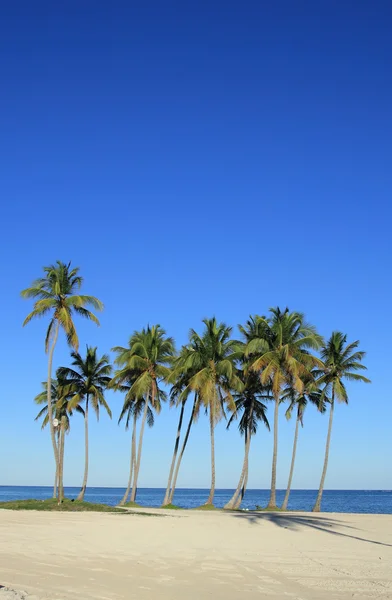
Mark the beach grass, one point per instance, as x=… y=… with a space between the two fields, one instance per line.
x=52 y=505
x=133 y=505
x=171 y=507
x=206 y=507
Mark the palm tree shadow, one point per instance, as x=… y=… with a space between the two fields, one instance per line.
x=295 y=522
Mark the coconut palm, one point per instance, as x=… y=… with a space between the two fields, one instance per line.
x=279 y=352
x=179 y=395
x=298 y=402
x=341 y=361
x=61 y=413
x=147 y=359
x=192 y=419
x=249 y=405
x=87 y=383
x=55 y=294
x=131 y=411
x=212 y=358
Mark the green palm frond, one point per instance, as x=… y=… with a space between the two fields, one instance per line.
x=54 y=294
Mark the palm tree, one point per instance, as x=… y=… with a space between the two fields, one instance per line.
x=192 y=419
x=179 y=395
x=280 y=352
x=55 y=294
x=61 y=413
x=341 y=361
x=147 y=359
x=252 y=410
x=212 y=359
x=299 y=401
x=87 y=383
x=131 y=410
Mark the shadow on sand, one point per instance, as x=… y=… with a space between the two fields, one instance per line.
x=295 y=522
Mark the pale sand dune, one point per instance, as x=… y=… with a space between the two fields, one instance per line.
x=194 y=555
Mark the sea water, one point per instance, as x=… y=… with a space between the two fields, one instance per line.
x=345 y=501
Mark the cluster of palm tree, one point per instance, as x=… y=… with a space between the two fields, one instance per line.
x=279 y=358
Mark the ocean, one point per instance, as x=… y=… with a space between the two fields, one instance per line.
x=345 y=501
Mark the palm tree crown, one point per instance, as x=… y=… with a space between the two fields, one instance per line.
x=341 y=361
x=145 y=362
x=90 y=377
x=56 y=294
x=60 y=406
x=281 y=349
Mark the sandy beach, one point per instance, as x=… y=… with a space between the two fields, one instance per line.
x=189 y=554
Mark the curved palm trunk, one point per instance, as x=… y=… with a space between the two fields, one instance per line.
x=176 y=444
x=243 y=490
x=49 y=398
x=317 y=506
x=233 y=502
x=132 y=463
x=139 y=451
x=85 y=476
x=212 y=436
x=188 y=430
x=287 y=494
x=272 y=500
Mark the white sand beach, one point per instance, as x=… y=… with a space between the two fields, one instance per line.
x=194 y=555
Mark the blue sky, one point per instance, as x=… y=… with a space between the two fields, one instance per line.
x=198 y=159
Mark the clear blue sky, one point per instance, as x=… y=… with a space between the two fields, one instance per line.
x=197 y=159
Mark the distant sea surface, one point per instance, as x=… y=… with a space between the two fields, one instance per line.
x=345 y=501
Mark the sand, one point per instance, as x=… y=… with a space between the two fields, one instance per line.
x=195 y=555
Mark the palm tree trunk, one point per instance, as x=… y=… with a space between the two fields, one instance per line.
x=49 y=396
x=139 y=451
x=232 y=503
x=317 y=506
x=212 y=436
x=272 y=500
x=132 y=462
x=244 y=484
x=188 y=430
x=84 y=484
x=56 y=477
x=243 y=490
x=61 y=461
x=176 y=444
x=286 y=497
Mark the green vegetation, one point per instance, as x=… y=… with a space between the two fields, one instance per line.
x=172 y=507
x=206 y=507
x=278 y=358
x=53 y=505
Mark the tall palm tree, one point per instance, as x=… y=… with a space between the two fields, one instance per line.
x=298 y=402
x=252 y=410
x=147 y=358
x=280 y=352
x=61 y=413
x=341 y=361
x=87 y=383
x=179 y=395
x=212 y=357
x=192 y=419
x=131 y=410
x=55 y=294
